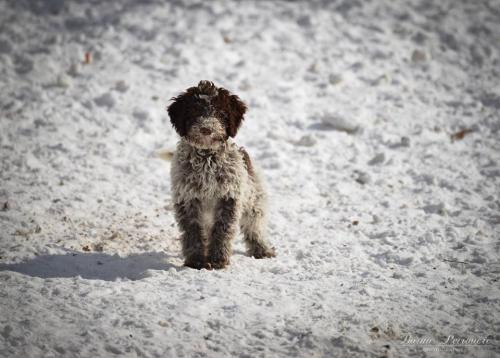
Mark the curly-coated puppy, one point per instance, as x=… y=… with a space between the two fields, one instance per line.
x=215 y=187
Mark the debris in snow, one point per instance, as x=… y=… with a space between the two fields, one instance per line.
x=88 y=58
x=306 y=141
x=165 y=154
x=114 y=236
x=362 y=177
x=22 y=232
x=63 y=80
x=105 y=100
x=23 y=65
x=304 y=21
x=98 y=247
x=334 y=79
x=377 y=159
x=121 y=86
x=434 y=209
x=74 y=69
x=27 y=232
x=418 y=56
x=339 y=122
x=404 y=142
x=140 y=114
x=461 y=134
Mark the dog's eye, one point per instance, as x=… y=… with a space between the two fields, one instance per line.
x=223 y=116
x=196 y=111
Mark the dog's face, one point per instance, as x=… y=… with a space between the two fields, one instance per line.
x=206 y=115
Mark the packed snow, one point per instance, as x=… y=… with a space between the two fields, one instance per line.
x=376 y=127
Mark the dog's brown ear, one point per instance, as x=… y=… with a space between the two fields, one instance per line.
x=178 y=112
x=234 y=108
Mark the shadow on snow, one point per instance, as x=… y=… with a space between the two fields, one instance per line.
x=93 y=266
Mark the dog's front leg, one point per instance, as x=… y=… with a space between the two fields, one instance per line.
x=188 y=213
x=223 y=231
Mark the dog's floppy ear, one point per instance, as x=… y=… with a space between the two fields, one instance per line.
x=178 y=113
x=234 y=108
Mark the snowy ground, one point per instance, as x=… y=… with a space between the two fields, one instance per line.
x=386 y=226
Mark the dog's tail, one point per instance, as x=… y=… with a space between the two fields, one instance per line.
x=165 y=154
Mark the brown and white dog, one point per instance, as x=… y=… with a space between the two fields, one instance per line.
x=215 y=187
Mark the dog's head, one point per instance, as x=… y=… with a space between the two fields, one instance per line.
x=206 y=115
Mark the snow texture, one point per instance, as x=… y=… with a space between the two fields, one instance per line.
x=376 y=125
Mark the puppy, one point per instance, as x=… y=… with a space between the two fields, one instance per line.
x=215 y=187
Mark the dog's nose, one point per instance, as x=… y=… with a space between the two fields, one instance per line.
x=205 y=131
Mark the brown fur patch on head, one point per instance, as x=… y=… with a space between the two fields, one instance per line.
x=179 y=112
x=204 y=100
x=233 y=110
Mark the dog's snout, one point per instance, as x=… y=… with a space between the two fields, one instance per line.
x=205 y=131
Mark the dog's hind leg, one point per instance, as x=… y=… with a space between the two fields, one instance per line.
x=188 y=214
x=252 y=225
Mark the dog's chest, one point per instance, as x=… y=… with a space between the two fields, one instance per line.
x=209 y=176
x=208 y=208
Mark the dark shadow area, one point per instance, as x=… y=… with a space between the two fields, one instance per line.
x=92 y=266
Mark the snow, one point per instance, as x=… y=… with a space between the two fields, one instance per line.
x=386 y=225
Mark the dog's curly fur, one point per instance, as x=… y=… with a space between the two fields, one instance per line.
x=215 y=186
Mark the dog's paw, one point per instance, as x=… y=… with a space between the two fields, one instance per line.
x=217 y=262
x=196 y=263
x=217 y=265
x=218 y=259
x=263 y=252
